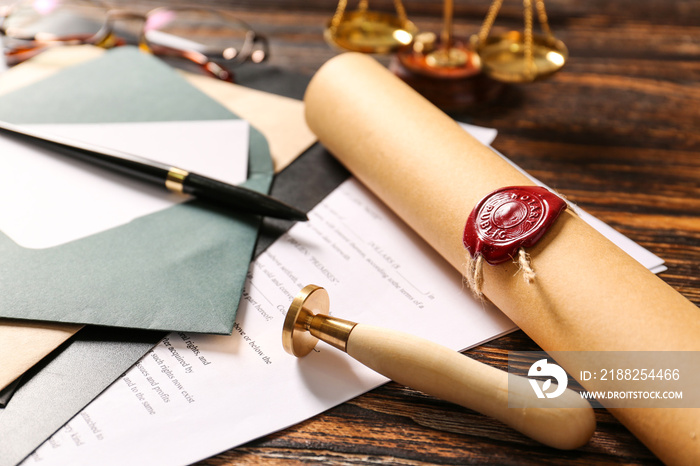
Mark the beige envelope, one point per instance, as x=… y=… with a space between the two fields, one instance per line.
x=280 y=119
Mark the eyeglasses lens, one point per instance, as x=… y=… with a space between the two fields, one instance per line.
x=203 y=31
x=54 y=20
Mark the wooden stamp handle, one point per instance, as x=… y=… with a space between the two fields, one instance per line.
x=449 y=375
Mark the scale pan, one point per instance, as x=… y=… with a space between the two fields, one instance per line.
x=370 y=32
x=503 y=57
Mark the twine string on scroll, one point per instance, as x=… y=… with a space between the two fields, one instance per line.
x=475 y=271
x=525 y=266
x=474 y=274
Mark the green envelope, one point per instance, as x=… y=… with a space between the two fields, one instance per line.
x=182 y=268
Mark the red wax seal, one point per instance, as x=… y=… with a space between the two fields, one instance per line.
x=508 y=219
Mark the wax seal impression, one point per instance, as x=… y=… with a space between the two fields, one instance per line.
x=503 y=224
x=509 y=219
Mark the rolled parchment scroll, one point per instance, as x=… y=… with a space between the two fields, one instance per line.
x=588 y=294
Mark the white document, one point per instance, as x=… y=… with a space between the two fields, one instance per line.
x=484 y=135
x=56 y=199
x=196 y=395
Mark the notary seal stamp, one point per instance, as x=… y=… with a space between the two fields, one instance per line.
x=509 y=219
x=504 y=223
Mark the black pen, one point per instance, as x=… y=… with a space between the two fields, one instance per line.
x=173 y=178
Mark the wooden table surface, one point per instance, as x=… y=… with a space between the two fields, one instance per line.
x=617 y=131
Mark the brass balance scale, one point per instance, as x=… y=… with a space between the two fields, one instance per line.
x=520 y=57
x=367 y=31
x=460 y=71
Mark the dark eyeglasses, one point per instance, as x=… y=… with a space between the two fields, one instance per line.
x=208 y=38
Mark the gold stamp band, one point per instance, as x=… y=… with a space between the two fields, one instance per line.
x=175 y=179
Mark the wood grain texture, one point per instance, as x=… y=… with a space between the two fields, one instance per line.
x=617 y=131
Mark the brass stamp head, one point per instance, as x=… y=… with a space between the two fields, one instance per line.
x=308 y=321
x=310 y=301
